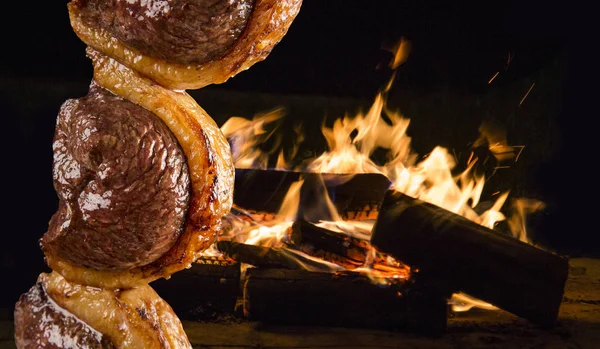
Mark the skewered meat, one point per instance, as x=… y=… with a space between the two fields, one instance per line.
x=122 y=180
x=184 y=44
x=55 y=313
x=178 y=31
x=144 y=175
x=211 y=176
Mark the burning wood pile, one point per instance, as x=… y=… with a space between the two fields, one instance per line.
x=343 y=240
x=316 y=276
x=401 y=267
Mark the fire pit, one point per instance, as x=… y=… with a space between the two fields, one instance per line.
x=367 y=234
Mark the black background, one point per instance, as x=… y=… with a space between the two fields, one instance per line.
x=332 y=50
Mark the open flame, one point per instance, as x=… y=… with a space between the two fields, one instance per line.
x=352 y=142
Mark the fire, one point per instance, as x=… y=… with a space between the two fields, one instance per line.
x=432 y=179
x=352 y=142
x=348 y=154
x=272 y=235
x=245 y=135
x=462 y=302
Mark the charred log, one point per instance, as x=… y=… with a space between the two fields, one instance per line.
x=207 y=291
x=273 y=257
x=299 y=297
x=317 y=239
x=465 y=256
x=262 y=190
x=350 y=250
x=355 y=196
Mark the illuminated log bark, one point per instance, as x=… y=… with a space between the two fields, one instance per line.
x=465 y=256
x=207 y=291
x=356 y=196
x=299 y=297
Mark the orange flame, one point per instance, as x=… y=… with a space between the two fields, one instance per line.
x=245 y=135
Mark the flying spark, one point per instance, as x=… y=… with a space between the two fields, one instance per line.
x=526 y=94
x=493 y=77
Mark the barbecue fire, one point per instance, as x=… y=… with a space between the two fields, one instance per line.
x=352 y=145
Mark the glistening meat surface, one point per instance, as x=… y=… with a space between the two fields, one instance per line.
x=41 y=323
x=59 y=314
x=184 y=44
x=178 y=31
x=122 y=180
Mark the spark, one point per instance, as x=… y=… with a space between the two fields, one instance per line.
x=526 y=94
x=493 y=77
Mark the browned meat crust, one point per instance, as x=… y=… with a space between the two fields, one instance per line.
x=58 y=314
x=268 y=22
x=123 y=184
x=211 y=169
x=177 y=31
x=41 y=323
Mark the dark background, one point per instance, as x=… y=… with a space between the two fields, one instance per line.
x=332 y=51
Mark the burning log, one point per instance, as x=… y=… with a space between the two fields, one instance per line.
x=310 y=236
x=510 y=274
x=300 y=297
x=349 y=251
x=354 y=195
x=207 y=291
x=262 y=190
x=273 y=257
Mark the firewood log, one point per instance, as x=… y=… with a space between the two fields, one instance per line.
x=300 y=297
x=515 y=276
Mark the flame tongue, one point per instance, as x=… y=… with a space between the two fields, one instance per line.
x=349 y=153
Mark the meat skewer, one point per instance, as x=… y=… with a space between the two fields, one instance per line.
x=143 y=174
x=68 y=315
x=211 y=176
